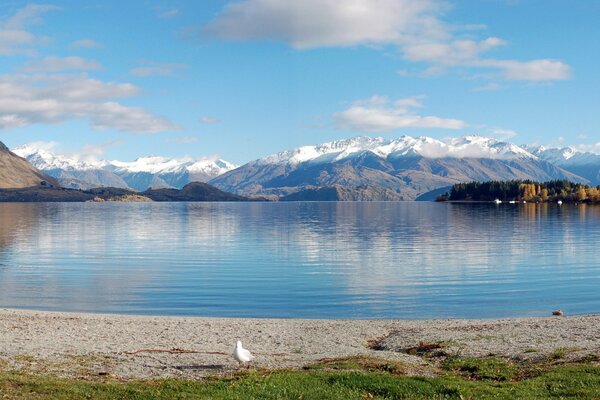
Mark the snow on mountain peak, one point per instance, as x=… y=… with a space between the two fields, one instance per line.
x=45 y=160
x=211 y=167
x=464 y=147
x=564 y=156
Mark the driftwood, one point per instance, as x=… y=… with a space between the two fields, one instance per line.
x=183 y=351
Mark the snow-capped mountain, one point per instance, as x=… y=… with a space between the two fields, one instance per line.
x=141 y=174
x=156 y=172
x=69 y=172
x=584 y=164
x=407 y=165
x=464 y=147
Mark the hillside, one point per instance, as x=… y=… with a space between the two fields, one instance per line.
x=196 y=191
x=192 y=192
x=16 y=172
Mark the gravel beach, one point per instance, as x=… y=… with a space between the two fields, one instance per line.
x=128 y=347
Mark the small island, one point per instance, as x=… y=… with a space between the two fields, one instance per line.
x=523 y=191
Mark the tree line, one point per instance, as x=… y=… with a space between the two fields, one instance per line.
x=523 y=190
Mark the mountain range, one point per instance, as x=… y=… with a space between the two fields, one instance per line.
x=360 y=168
x=139 y=175
x=398 y=169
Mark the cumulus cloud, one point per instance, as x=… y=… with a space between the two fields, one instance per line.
x=379 y=114
x=15 y=39
x=416 y=28
x=327 y=23
x=30 y=99
x=56 y=64
x=457 y=52
x=536 y=70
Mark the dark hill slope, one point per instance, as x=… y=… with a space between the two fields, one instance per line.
x=16 y=172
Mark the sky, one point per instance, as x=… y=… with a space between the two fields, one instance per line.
x=243 y=79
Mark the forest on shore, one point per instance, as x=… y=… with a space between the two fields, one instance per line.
x=517 y=190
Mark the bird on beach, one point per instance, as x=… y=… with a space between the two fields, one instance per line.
x=242 y=355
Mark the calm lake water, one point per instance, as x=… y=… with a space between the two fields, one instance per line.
x=314 y=260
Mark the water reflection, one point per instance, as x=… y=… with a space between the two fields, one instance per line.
x=368 y=260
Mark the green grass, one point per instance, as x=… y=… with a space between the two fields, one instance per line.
x=349 y=378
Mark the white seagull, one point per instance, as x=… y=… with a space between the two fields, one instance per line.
x=242 y=355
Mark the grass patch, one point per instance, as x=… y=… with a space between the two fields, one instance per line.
x=562 y=352
x=349 y=378
x=494 y=369
x=532 y=350
x=361 y=363
x=429 y=349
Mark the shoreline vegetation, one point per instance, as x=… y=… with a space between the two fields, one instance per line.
x=135 y=357
x=523 y=191
x=196 y=191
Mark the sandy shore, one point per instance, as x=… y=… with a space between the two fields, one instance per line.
x=69 y=344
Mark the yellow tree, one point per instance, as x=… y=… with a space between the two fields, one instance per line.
x=581 y=194
x=593 y=194
x=529 y=192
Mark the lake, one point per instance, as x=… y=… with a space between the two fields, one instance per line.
x=408 y=260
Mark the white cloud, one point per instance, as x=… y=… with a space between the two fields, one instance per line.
x=536 y=70
x=93 y=152
x=85 y=44
x=14 y=38
x=31 y=99
x=505 y=133
x=42 y=145
x=56 y=64
x=378 y=114
x=206 y=120
x=328 y=23
x=157 y=69
x=457 y=52
x=589 y=148
x=416 y=28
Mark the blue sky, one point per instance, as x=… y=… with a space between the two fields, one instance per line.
x=246 y=78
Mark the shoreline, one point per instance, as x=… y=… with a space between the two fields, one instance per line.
x=147 y=347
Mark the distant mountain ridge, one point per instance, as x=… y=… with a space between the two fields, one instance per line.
x=584 y=164
x=408 y=166
x=359 y=168
x=141 y=174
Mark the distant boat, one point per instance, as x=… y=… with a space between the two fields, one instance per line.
x=512 y=202
x=524 y=202
x=559 y=202
x=498 y=201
